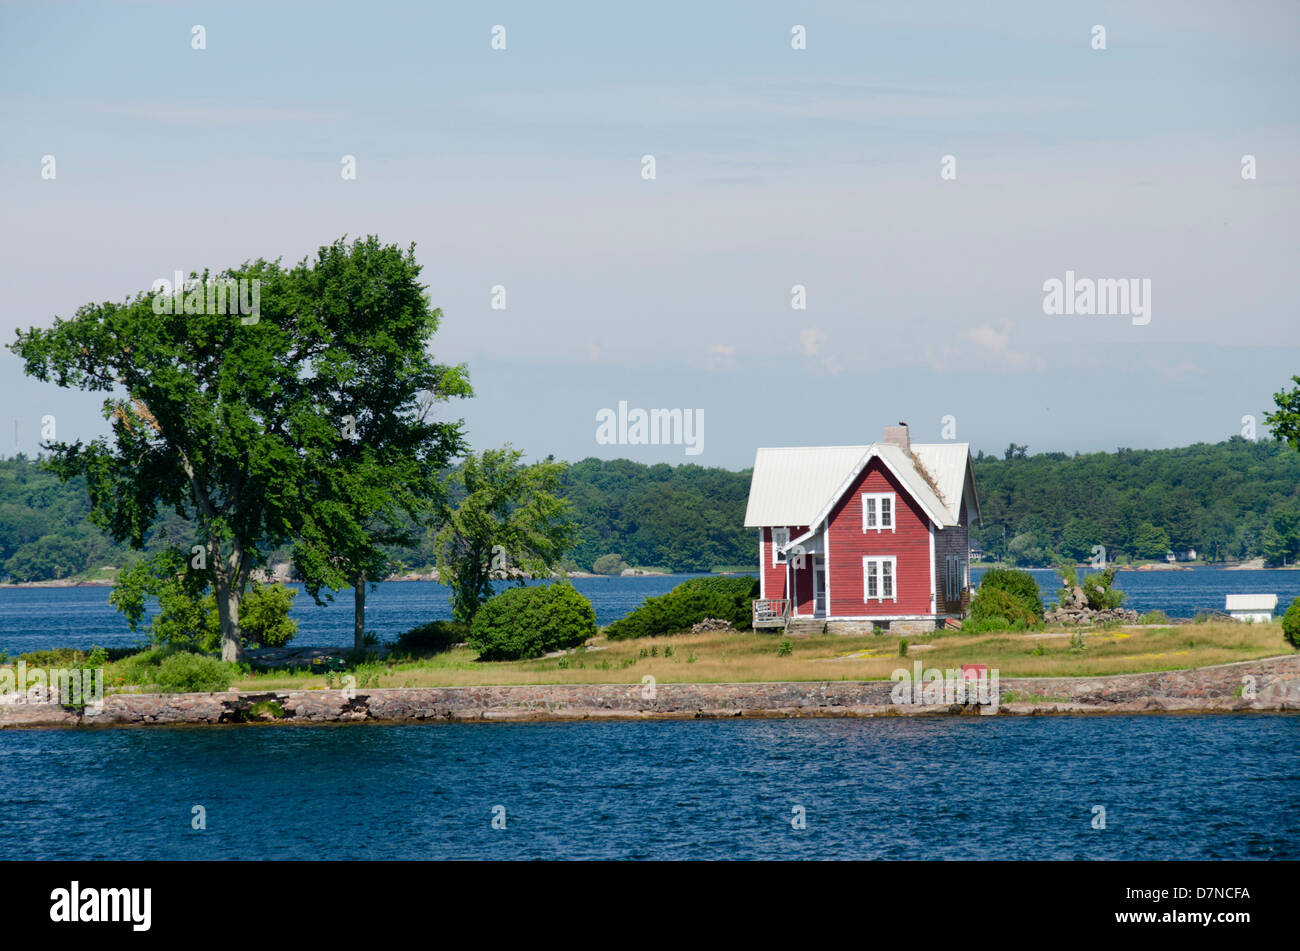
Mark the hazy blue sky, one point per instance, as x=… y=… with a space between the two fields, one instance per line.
x=774 y=167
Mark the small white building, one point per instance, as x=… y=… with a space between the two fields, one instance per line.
x=1251 y=607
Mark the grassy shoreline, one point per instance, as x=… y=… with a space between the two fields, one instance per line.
x=748 y=657
x=734 y=657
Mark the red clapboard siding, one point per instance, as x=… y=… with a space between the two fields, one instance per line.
x=909 y=543
x=803 y=586
x=774 y=576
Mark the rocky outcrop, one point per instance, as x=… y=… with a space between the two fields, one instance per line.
x=1271 y=685
x=1073 y=609
x=711 y=624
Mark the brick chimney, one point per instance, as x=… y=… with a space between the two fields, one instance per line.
x=900 y=437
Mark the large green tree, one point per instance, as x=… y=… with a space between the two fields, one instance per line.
x=233 y=420
x=202 y=405
x=508 y=522
x=373 y=472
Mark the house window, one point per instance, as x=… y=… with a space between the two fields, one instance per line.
x=877 y=511
x=880 y=578
x=780 y=538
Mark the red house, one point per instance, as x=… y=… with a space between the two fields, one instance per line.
x=863 y=537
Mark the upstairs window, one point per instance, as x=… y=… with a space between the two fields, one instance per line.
x=879 y=578
x=877 y=511
x=780 y=538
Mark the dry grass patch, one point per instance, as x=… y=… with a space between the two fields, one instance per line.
x=723 y=656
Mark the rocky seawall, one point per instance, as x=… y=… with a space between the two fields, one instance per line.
x=1269 y=685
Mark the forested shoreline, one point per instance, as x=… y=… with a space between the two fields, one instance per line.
x=1228 y=501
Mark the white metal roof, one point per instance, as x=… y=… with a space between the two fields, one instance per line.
x=798 y=486
x=1251 y=602
x=790 y=486
x=947 y=464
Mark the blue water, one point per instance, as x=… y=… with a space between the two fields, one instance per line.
x=1182 y=594
x=1173 y=787
x=37 y=618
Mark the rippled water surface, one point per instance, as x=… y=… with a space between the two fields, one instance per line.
x=37 y=618
x=1194 y=787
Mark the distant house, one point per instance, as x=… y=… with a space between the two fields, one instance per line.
x=864 y=536
x=1251 y=607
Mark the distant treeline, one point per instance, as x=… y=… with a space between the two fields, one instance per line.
x=1232 y=500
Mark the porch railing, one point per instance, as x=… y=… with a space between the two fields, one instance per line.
x=771 y=612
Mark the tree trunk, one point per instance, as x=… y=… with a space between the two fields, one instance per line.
x=359 y=613
x=232 y=648
x=227 y=594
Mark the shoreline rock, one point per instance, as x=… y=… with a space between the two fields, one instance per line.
x=1267 y=685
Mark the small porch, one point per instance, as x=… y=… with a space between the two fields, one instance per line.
x=804 y=559
x=771 y=612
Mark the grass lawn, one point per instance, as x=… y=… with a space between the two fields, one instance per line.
x=745 y=657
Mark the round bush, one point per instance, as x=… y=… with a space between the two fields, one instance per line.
x=1019 y=584
x=609 y=565
x=432 y=638
x=1291 y=624
x=689 y=603
x=993 y=609
x=530 y=621
x=193 y=673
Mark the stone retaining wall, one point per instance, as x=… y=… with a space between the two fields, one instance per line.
x=1265 y=685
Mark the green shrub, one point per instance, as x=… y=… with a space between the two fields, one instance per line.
x=1019 y=584
x=264 y=615
x=689 y=603
x=193 y=673
x=266 y=710
x=169 y=669
x=530 y=621
x=994 y=609
x=54 y=657
x=187 y=609
x=140 y=668
x=432 y=638
x=1291 y=624
x=1097 y=587
x=609 y=565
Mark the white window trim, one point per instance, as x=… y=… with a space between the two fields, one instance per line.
x=868 y=560
x=777 y=563
x=893 y=511
x=934 y=571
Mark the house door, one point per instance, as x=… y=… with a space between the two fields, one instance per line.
x=819 y=586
